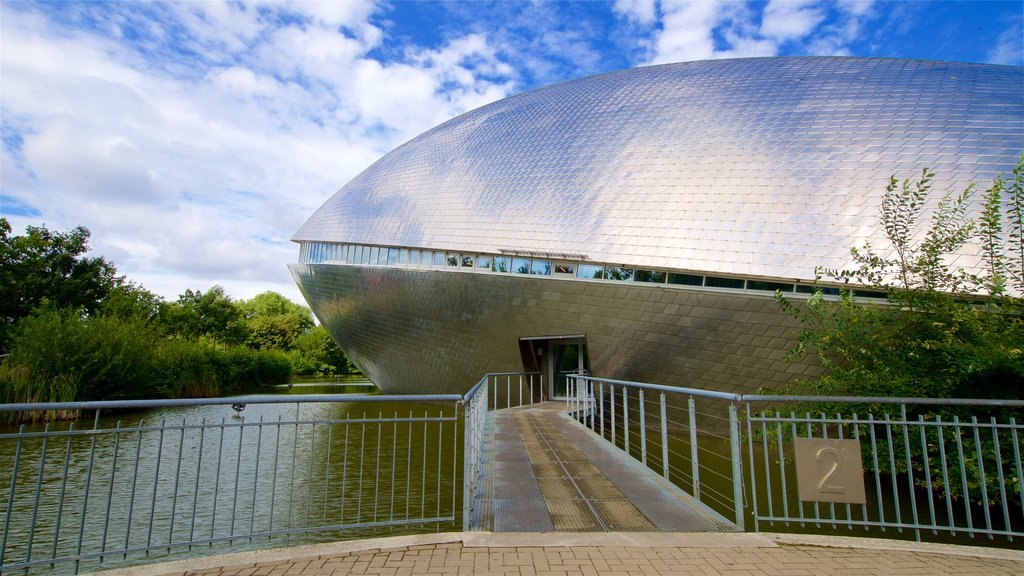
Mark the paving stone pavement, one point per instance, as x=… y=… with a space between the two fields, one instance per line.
x=611 y=554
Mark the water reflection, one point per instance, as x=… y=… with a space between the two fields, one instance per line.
x=193 y=479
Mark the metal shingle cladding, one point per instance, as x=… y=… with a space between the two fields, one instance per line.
x=766 y=167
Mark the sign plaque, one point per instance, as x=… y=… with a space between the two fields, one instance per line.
x=829 y=470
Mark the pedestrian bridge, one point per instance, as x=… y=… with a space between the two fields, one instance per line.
x=118 y=489
x=544 y=472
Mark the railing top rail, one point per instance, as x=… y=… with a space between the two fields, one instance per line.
x=476 y=388
x=256 y=399
x=836 y=399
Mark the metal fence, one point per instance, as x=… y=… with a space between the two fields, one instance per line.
x=495 y=391
x=918 y=465
x=110 y=490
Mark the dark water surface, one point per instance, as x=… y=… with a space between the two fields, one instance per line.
x=177 y=481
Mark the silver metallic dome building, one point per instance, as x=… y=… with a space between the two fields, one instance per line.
x=637 y=223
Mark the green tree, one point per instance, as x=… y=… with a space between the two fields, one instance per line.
x=211 y=314
x=47 y=266
x=944 y=332
x=273 y=322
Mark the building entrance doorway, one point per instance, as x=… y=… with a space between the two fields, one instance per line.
x=555 y=357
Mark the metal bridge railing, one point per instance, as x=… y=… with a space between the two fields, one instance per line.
x=119 y=489
x=877 y=464
x=494 y=391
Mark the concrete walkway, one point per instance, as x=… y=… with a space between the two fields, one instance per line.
x=544 y=472
x=607 y=553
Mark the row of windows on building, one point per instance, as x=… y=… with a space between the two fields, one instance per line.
x=326 y=252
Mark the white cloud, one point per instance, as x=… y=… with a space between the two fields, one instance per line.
x=193 y=170
x=790 y=19
x=687 y=31
x=640 y=11
x=1009 y=49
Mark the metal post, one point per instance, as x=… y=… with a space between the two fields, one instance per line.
x=625 y=419
x=600 y=394
x=694 y=461
x=643 y=428
x=737 y=466
x=664 y=438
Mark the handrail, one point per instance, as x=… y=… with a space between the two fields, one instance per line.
x=255 y=399
x=806 y=398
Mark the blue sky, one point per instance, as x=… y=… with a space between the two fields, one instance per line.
x=193 y=138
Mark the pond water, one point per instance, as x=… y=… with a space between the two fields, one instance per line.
x=185 y=480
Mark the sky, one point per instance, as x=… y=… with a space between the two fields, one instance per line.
x=194 y=138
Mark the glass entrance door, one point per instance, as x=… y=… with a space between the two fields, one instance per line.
x=565 y=358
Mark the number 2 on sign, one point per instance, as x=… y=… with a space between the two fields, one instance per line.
x=825 y=485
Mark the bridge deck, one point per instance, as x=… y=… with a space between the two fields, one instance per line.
x=544 y=472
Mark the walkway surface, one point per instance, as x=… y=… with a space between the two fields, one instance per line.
x=612 y=554
x=544 y=472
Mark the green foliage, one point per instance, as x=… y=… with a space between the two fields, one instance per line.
x=316 y=353
x=98 y=357
x=76 y=331
x=211 y=314
x=48 y=267
x=944 y=332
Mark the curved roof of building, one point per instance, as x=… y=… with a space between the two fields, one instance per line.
x=764 y=167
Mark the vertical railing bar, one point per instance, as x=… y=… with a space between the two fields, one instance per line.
x=423 y=472
x=926 y=461
x=177 y=477
x=238 y=474
x=892 y=473
x=939 y=429
x=256 y=477
x=753 y=469
x=878 y=474
x=910 y=471
x=156 y=483
x=737 y=465
x=782 y=467
x=14 y=486
x=39 y=488
x=291 y=480
x=958 y=434
x=767 y=470
x=110 y=491
x=981 y=473
x=394 y=454
x=216 y=479
x=362 y=453
x=408 y=467
x=664 y=437
x=131 y=498
x=88 y=485
x=793 y=434
x=309 y=479
x=856 y=436
x=520 y=389
x=508 y=391
x=810 y=434
x=455 y=447
x=600 y=407
x=824 y=434
x=1002 y=479
x=344 y=470
x=694 y=453
x=611 y=390
x=849 y=511
x=440 y=447
x=273 y=476
x=327 y=470
x=195 y=487
x=643 y=428
x=1017 y=459
x=376 y=468
x=625 y=419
